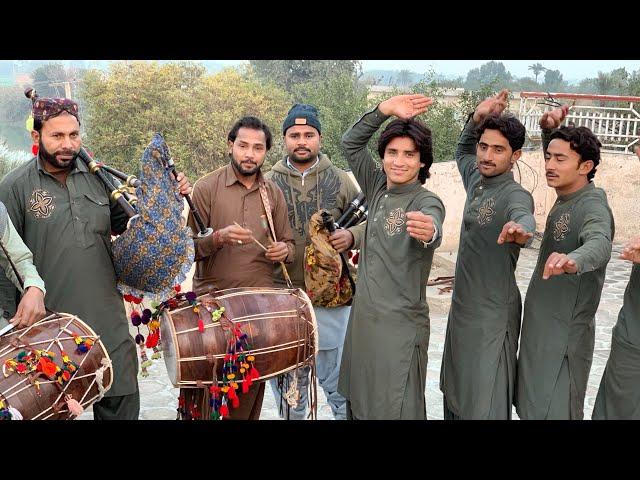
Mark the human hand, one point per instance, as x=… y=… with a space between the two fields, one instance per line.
x=554 y=118
x=30 y=309
x=405 y=106
x=558 y=264
x=513 y=232
x=420 y=226
x=492 y=105
x=341 y=239
x=277 y=252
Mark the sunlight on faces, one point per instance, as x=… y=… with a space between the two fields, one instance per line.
x=563 y=169
x=248 y=151
x=302 y=143
x=494 y=155
x=59 y=140
x=401 y=161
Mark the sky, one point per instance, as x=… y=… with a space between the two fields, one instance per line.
x=570 y=69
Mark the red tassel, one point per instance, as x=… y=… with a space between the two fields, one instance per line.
x=153 y=339
x=200 y=325
x=224 y=411
x=235 y=403
x=253 y=373
x=35 y=148
x=232 y=393
x=245 y=385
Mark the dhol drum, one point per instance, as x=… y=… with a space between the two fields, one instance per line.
x=280 y=325
x=52 y=370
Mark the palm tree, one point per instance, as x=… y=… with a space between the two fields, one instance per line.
x=537 y=69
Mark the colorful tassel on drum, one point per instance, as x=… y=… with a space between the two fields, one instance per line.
x=144 y=361
x=215 y=402
x=181 y=410
x=224 y=410
x=254 y=374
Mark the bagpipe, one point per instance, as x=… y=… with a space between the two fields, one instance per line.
x=155 y=252
x=327 y=276
x=356 y=212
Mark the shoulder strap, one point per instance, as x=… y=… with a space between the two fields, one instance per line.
x=267 y=209
x=264 y=195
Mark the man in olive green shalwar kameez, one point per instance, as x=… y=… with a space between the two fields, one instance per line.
x=65 y=217
x=478 y=371
x=619 y=393
x=384 y=361
x=558 y=329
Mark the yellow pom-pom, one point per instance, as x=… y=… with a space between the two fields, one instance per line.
x=242 y=370
x=251 y=358
x=231 y=376
x=224 y=389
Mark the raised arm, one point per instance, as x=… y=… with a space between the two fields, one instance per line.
x=550 y=121
x=466 y=148
x=355 y=140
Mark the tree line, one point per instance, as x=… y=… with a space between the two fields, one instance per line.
x=123 y=106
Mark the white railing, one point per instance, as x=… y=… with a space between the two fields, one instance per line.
x=617 y=127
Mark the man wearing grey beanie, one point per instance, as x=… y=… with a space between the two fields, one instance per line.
x=310 y=182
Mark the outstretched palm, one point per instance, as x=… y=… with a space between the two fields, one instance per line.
x=405 y=106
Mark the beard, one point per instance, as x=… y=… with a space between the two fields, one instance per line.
x=293 y=156
x=53 y=160
x=242 y=171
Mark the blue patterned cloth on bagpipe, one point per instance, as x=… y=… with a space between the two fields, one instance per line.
x=156 y=252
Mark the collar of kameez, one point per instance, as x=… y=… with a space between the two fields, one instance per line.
x=503 y=177
x=407 y=187
x=588 y=187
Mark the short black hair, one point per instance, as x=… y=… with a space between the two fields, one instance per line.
x=582 y=141
x=253 y=123
x=416 y=131
x=508 y=125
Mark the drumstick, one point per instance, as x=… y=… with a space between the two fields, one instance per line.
x=253 y=238
x=285 y=273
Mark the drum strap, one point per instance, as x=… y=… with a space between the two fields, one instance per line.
x=267 y=210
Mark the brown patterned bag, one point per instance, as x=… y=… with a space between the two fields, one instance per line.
x=326 y=275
